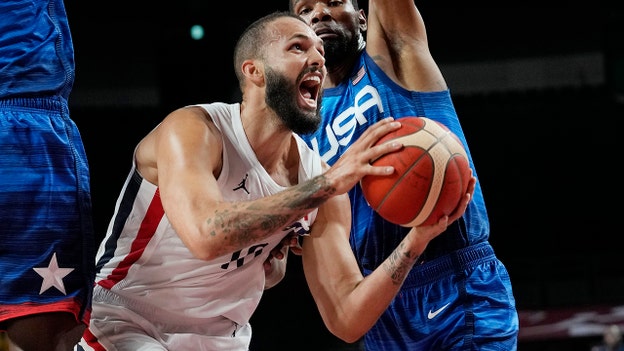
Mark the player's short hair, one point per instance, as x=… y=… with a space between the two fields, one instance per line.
x=253 y=41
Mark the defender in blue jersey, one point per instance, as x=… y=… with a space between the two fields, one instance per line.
x=47 y=253
x=459 y=296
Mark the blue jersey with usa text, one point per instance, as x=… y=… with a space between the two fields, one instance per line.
x=347 y=110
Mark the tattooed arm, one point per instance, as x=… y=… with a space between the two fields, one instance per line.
x=349 y=303
x=183 y=157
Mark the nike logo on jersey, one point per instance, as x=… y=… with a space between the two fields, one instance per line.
x=433 y=314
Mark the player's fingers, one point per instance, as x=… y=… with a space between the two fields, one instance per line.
x=378 y=130
x=472 y=185
x=267 y=265
x=297 y=250
x=377 y=151
x=290 y=240
x=379 y=170
x=278 y=254
x=461 y=207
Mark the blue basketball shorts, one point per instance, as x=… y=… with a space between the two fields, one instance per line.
x=460 y=301
x=47 y=254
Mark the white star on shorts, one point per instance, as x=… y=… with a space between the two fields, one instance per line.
x=53 y=276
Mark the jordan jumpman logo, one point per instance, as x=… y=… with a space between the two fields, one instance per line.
x=241 y=185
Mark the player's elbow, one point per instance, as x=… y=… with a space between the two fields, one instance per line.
x=203 y=252
x=347 y=332
x=350 y=339
x=347 y=335
x=201 y=246
x=346 y=320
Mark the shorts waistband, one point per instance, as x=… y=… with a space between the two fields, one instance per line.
x=54 y=103
x=456 y=261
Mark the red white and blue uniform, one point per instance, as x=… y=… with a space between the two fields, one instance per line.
x=152 y=293
x=47 y=245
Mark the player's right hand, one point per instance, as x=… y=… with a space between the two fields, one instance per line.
x=355 y=163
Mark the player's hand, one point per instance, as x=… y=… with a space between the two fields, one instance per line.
x=290 y=241
x=463 y=204
x=293 y=243
x=278 y=252
x=425 y=233
x=355 y=163
x=275 y=264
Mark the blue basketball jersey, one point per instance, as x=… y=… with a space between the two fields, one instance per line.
x=459 y=295
x=347 y=110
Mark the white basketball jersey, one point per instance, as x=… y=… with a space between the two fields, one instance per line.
x=143 y=262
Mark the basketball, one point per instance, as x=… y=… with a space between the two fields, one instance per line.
x=431 y=174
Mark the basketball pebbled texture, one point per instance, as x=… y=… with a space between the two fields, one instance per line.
x=431 y=175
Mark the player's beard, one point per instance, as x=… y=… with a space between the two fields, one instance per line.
x=281 y=96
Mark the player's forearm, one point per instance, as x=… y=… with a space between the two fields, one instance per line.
x=235 y=225
x=373 y=295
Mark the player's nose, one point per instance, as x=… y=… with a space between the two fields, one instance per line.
x=317 y=58
x=320 y=12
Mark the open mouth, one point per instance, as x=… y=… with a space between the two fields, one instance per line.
x=309 y=89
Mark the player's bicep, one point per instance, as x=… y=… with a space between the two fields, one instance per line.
x=395 y=21
x=397 y=40
x=189 y=155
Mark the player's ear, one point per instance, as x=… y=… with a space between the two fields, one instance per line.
x=253 y=71
x=363 y=22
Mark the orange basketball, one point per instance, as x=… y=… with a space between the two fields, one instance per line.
x=431 y=174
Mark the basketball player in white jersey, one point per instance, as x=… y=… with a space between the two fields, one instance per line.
x=215 y=187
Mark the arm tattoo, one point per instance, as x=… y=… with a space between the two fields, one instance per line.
x=246 y=222
x=399 y=264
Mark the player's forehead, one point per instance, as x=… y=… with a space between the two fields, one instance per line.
x=286 y=28
x=295 y=4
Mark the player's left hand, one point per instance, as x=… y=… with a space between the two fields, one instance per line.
x=275 y=264
x=422 y=235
